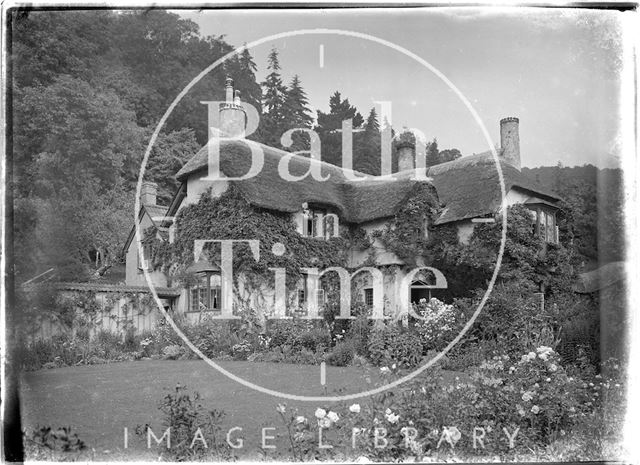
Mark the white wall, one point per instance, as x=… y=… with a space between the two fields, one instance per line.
x=382 y=256
x=465 y=230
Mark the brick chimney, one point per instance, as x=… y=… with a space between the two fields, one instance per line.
x=510 y=140
x=148 y=193
x=232 y=114
x=405 y=143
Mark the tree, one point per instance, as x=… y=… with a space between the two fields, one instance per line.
x=88 y=88
x=297 y=113
x=367 y=146
x=70 y=130
x=272 y=122
x=433 y=155
x=169 y=154
x=329 y=126
x=242 y=69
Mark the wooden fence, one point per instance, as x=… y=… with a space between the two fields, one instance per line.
x=95 y=308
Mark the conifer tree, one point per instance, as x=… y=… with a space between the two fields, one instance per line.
x=297 y=114
x=367 y=149
x=272 y=121
x=330 y=124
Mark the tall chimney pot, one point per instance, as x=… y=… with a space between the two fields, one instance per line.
x=405 y=143
x=232 y=114
x=510 y=140
x=229 y=90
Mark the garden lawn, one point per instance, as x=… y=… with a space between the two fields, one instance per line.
x=99 y=401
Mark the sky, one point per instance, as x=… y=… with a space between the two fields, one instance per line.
x=557 y=70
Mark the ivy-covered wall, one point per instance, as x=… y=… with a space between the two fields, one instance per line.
x=411 y=235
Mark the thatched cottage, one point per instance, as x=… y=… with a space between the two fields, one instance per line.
x=468 y=188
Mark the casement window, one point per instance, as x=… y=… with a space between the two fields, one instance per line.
x=303 y=296
x=368 y=296
x=320 y=297
x=205 y=295
x=545 y=225
x=320 y=224
x=145 y=262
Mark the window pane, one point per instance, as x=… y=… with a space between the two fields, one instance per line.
x=215 y=298
x=550 y=228
x=368 y=296
x=194 y=301
x=320 y=300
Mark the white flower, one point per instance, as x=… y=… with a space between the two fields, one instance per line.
x=553 y=367
x=321 y=413
x=281 y=408
x=324 y=422
x=535 y=409
x=544 y=352
x=548 y=380
x=454 y=433
x=300 y=419
x=333 y=416
x=355 y=408
x=384 y=369
x=391 y=417
x=527 y=396
x=393 y=367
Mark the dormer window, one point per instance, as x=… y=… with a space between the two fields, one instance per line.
x=318 y=223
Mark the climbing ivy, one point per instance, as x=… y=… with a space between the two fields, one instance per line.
x=411 y=234
x=231 y=217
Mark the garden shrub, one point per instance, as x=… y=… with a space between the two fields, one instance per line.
x=342 y=354
x=172 y=352
x=439 y=323
x=242 y=350
x=389 y=344
x=210 y=336
x=531 y=393
x=185 y=415
x=61 y=439
x=314 y=339
x=359 y=331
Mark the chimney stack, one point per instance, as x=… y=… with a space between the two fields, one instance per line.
x=232 y=114
x=148 y=193
x=406 y=150
x=510 y=140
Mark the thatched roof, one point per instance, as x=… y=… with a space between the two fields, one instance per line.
x=467 y=188
x=356 y=201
